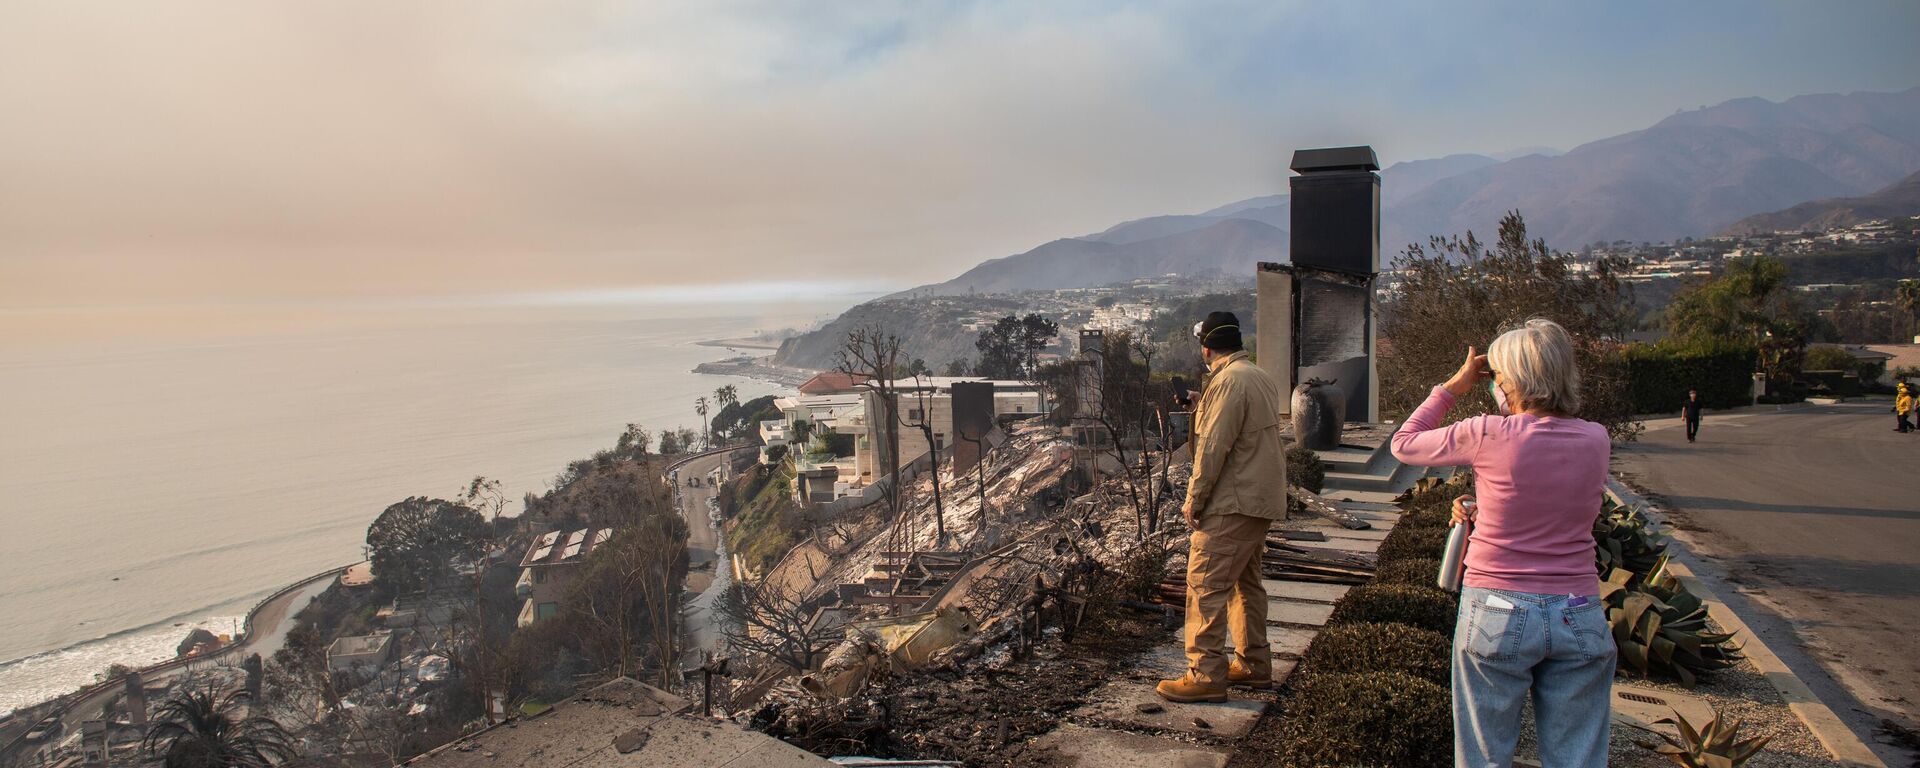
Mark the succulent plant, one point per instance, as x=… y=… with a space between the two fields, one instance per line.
x=1718 y=745
x=1625 y=539
x=1660 y=628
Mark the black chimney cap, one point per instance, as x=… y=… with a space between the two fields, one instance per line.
x=1360 y=158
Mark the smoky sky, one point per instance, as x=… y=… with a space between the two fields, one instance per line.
x=189 y=150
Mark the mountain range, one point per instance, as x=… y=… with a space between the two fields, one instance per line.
x=1695 y=173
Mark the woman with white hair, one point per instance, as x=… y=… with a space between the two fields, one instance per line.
x=1530 y=613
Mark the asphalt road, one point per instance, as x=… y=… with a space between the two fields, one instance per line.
x=703 y=544
x=1813 y=514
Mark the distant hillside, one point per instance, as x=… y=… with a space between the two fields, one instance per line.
x=1691 y=174
x=1897 y=201
x=1224 y=246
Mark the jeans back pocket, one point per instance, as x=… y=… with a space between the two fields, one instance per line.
x=1590 y=630
x=1494 y=633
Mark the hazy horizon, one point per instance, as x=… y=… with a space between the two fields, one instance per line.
x=200 y=151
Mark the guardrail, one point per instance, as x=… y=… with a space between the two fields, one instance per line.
x=677 y=464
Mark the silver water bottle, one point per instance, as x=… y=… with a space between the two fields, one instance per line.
x=1453 y=566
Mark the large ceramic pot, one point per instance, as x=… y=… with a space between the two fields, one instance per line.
x=1319 y=407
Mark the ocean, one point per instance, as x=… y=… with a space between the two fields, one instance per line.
x=165 y=468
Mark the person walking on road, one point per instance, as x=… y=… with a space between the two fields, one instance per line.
x=1903 y=407
x=1690 y=412
x=1531 y=620
x=1238 y=488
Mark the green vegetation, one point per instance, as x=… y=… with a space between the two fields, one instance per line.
x=1625 y=539
x=1661 y=628
x=1417 y=571
x=737 y=420
x=1748 y=302
x=763 y=519
x=1414 y=542
x=200 y=728
x=1009 y=349
x=1369 y=647
x=415 y=543
x=1423 y=607
x=1716 y=746
x=1370 y=718
x=1659 y=375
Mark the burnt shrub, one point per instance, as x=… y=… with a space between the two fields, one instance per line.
x=1423 y=607
x=1369 y=719
x=1372 y=647
x=1305 y=470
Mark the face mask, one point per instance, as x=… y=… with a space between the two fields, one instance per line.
x=1499 y=398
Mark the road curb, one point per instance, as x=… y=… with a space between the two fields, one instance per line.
x=1840 y=742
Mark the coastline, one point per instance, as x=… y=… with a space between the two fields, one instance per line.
x=760 y=368
x=745 y=342
x=41 y=674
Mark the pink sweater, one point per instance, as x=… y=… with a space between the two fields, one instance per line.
x=1538 y=481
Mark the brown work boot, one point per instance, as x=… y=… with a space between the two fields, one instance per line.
x=1186 y=690
x=1238 y=675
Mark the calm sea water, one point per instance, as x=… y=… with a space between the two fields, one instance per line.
x=161 y=471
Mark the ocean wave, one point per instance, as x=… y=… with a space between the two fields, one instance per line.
x=32 y=679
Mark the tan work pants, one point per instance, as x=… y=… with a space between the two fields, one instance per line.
x=1224 y=595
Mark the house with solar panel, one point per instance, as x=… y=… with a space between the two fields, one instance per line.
x=550 y=566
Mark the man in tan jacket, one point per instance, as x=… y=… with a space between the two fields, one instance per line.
x=1239 y=487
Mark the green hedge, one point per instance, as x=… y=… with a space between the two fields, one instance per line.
x=1659 y=375
x=1369 y=647
x=1414 y=542
x=1423 y=607
x=1418 y=571
x=1831 y=383
x=1369 y=719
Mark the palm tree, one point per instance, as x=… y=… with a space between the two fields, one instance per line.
x=1907 y=296
x=202 y=729
x=706 y=427
x=724 y=397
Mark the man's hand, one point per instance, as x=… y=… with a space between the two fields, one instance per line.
x=1471 y=374
x=1460 y=510
x=1192 y=517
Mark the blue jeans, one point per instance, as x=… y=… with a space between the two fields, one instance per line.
x=1563 y=654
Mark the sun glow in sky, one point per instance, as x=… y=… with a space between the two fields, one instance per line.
x=188 y=150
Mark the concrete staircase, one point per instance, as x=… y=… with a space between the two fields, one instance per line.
x=1363 y=468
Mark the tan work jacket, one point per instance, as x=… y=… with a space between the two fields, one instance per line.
x=1239 y=466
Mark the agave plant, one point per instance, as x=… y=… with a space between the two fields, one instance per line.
x=1660 y=628
x=1625 y=539
x=1716 y=746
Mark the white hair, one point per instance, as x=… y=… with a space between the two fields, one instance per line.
x=1537 y=361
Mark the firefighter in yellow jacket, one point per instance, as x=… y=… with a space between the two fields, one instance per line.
x=1903 y=407
x=1239 y=487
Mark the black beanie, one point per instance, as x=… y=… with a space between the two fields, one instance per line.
x=1220 y=331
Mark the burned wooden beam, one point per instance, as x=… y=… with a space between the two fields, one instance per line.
x=1319 y=505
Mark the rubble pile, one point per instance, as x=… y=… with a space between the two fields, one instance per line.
x=1005 y=624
